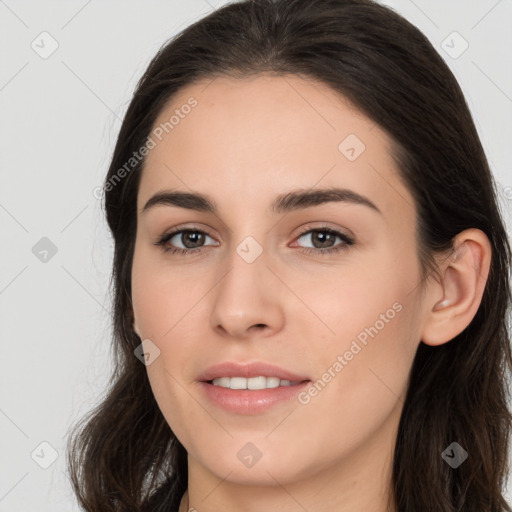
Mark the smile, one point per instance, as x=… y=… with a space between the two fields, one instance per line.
x=253 y=383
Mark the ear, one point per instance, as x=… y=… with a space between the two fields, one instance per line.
x=453 y=301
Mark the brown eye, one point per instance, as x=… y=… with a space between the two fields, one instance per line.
x=324 y=239
x=191 y=239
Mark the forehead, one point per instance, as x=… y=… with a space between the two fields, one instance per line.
x=264 y=135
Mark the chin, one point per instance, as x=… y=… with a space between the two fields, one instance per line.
x=260 y=463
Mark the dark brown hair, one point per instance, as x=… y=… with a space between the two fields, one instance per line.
x=124 y=450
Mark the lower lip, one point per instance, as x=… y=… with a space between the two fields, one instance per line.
x=244 y=401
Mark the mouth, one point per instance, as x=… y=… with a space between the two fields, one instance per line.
x=250 y=388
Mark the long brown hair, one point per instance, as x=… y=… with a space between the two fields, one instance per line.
x=124 y=450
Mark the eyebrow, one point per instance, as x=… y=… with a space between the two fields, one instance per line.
x=290 y=201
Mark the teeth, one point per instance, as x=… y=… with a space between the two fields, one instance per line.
x=251 y=383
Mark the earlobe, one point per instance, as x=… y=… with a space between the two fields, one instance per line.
x=457 y=297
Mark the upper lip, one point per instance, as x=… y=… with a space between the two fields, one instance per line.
x=247 y=370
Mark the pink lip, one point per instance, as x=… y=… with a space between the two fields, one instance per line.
x=250 y=402
x=245 y=401
x=255 y=369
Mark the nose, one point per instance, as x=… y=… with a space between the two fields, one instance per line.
x=249 y=299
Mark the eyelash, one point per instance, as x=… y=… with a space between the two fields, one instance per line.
x=347 y=242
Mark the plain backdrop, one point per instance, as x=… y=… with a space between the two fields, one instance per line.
x=60 y=115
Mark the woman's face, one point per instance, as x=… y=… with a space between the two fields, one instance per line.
x=263 y=288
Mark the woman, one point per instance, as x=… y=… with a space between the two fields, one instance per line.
x=310 y=276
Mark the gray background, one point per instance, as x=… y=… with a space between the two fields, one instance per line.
x=60 y=116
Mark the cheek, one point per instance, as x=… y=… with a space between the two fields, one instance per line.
x=164 y=310
x=158 y=296
x=373 y=328
x=362 y=371
x=377 y=337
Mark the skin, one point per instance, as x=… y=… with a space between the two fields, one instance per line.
x=246 y=142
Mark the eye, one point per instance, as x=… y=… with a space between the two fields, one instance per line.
x=187 y=237
x=325 y=237
x=193 y=240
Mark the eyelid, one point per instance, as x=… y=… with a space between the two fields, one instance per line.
x=327 y=227
x=187 y=227
x=347 y=239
